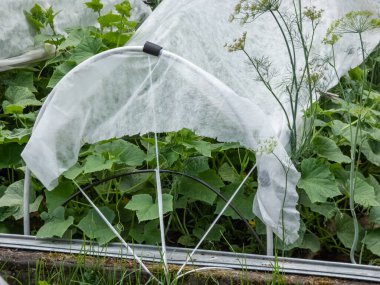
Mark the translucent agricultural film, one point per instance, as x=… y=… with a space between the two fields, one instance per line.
x=127 y=92
x=17 y=46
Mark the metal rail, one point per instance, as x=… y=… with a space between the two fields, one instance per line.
x=221 y=259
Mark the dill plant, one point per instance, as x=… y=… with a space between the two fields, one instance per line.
x=357 y=22
x=291 y=27
x=304 y=80
x=308 y=75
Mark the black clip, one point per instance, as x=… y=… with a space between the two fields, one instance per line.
x=152 y=48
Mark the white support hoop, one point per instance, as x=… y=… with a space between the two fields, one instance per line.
x=27 y=181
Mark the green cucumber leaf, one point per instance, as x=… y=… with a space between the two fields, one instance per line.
x=345 y=229
x=146 y=209
x=374 y=215
x=88 y=47
x=364 y=194
x=242 y=201
x=14 y=195
x=13 y=200
x=195 y=165
x=204 y=148
x=195 y=191
x=94 y=5
x=372 y=241
x=59 y=72
x=124 y=8
x=17 y=99
x=10 y=155
x=326 y=209
x=227 y=173
x=20 y=136
x=95 y=228
x=214 y=235
x=317 y=181
x=122 y=151
x=55 y=224
x=97 y=162
x=23 y=79
x=371 y=150
x=327 y=148
x=148 y=232
x=186 y=240
x=58 y=195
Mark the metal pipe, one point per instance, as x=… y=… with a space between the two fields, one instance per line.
x=26 y=200
x=160 y=208
x=177 y=255
x=269 y=241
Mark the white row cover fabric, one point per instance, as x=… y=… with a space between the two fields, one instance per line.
x=118 y=96
x=198 y=30
x=16 y=35
x=114 y=94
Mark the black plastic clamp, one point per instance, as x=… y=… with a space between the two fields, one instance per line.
x=152 y=48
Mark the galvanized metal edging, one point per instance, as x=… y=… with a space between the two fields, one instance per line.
x=202 y=258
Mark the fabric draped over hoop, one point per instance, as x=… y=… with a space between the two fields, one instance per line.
x=121 y=92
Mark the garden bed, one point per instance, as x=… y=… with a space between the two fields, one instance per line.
x=30 y=257
x=24 y=265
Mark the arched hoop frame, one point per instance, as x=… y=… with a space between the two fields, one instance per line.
x=153 y=50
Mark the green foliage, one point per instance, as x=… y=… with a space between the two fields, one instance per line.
x=148 y=232
x=214 y=235
x=317 y=181
x=40 y=19
x=87 y=47
x=372 y=241
x=146 y=209
x=17 y=99
x=346 y=136
x=37 y=17
x=365 y=194
x=55 y=223
x=59 y=195
x=11 y=201
x=59 y=72
x=95 y=228
x=95 y=5
x=10 y=154
x=327 y=148
x=345 y=229
x=195 y=192
x=121 y=151
x=243 y=202
x=116 y=28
